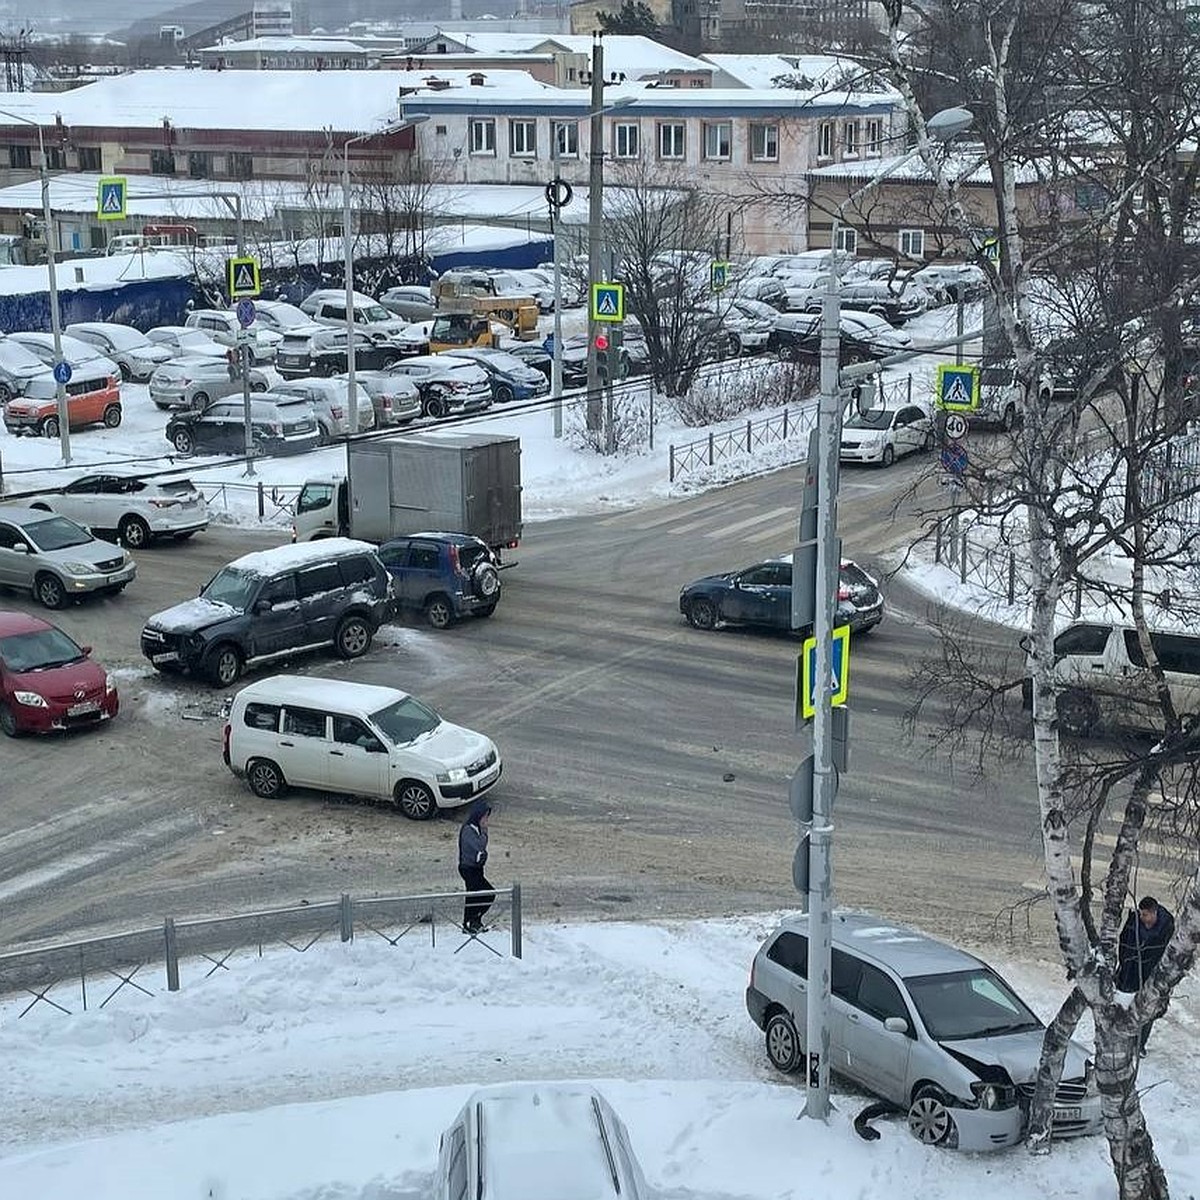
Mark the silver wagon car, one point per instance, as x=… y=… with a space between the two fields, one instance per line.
x=922 y=1024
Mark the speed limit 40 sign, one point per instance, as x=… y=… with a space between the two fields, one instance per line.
x=956 y=426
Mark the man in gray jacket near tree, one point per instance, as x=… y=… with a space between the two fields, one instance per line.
x=472 y=857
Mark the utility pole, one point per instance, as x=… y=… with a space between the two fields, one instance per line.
x=595 y=404
x=242 y=347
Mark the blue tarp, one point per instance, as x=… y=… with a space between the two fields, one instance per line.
x=142 y=303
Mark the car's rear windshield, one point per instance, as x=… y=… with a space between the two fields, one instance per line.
x=57 y=533
x=406 y=720
x=38 y=650
x=969 y=1004
x=233 y=587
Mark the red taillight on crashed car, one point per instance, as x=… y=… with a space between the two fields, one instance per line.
x=843 y=593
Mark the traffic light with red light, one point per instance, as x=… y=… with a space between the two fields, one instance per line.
x=603 y=364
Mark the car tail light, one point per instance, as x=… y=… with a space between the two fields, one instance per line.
x=455 y=565
x=274 y=429
x=338 y=413
x=386 y=403
x=512 y=545
x=843 y=593
x=164 y=503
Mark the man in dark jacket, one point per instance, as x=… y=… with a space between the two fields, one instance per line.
x=1143 y=942
x=472 y=857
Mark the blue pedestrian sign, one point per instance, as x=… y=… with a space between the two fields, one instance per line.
x=718 y=276
x=62 y=372
x=110 y=198
x=957 y=387
x=608 y=302
x=954 y=458
x=841 y=671
x=245 y=313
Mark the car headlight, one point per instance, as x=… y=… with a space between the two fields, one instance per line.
x=109 y=686
x=994 y=1095
x=454 y=775
x=78 y=568
x=30 y=699
x=1089 y=1078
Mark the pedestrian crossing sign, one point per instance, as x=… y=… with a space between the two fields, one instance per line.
x=608 y=302
x=110 y=199
x=718 y=276
x=243 y=277
x=840 y=682
x=957 y=387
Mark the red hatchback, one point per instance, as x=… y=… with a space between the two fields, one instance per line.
x=47 y=681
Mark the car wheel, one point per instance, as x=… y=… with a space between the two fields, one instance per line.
x=49 y=591
x=112 y=416
x=183 y=442
x=701 y=614
x=353 y=637
x=390 y=360
x=435 y=407
x=439 y=612
x=783 y=1043
x=929 y=1119
x=504 y=394
x=414 y=800
x=323 y=434
x=50 y=427
x=200 y=399
x=8 y=722
x=485 y=580
x=733 y=345
x=224 y=665
x=133 y=532
x=888 y=456
x=258 y=387
x=1077 y=713
x=265 y=779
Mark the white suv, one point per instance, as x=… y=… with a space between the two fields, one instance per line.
x=223 y=327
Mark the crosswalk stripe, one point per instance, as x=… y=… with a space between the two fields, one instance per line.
x=757 y=519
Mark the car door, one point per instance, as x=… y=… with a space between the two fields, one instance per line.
x=754 y=598
x=875 y=1055
x=910 y=429
x=394 y=557
x=223 y=430
x=358 y=760
x=320 y=591
x=277 y=620
x=304 y=747
x=15 y=560
x=422 y=571
x=845 y=973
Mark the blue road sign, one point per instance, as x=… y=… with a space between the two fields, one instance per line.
x=718 y=275
x=954 y=458
x=548 y=344
x=110 y=198
x=62 y=372
x=957 y=387
x=841 y=671
x=245 y=313
x=608 y=302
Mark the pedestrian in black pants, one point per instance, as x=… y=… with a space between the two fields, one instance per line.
x=472 y=857
x=1143 y=942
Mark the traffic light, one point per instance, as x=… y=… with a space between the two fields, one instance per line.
x=600 y=348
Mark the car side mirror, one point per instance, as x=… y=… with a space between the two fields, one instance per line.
x=375 y=748
x=21 y=548
x=263 y=606
x=896 y=1025
x=85 y=650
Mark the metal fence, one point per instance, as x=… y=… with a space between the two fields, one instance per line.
x=192 y=950
x=273 y=499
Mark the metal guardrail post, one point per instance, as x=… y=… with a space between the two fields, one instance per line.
x=749 y=434
x=937 y=540
x=785 y=425
x=1012 y=577
x=671 y=468
x=710 y=448
x=962 y=562
x=516 y=920
x=171 y=947
x=261 y=501
x=345 y=915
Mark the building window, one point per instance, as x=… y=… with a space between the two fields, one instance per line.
x=764 y=143
x=847 y=239
x=696 y=83
x=825 y=139
x=671 y=140
x=522 y=139
x=566 y=139
x=200 y=164
x=483 y=137
x=162 y=162
x=626 y=140
x=718 y=140
x=850 y=139
x=874 y=142
x=239 y=166
x=56 y=158
x=912 y=243
x=440 y=130
x=20 y=156
x=89 y=158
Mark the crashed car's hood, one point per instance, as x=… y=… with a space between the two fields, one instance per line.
x=1016 y=1053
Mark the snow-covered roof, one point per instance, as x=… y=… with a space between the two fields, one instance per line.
x=287 y=45
x=761 y=70
x=98 y=273
x=961 y=167
x=296 y=101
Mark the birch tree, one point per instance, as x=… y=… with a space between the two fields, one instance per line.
x=1096 y=100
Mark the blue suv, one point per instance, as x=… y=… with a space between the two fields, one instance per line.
x=444 y=576
x=510 y=377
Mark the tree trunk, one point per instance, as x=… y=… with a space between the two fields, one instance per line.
x=1050 y=1068
x=1139 y=1173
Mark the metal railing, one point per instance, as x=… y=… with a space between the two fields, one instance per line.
x=273 y=499
x=196 y=949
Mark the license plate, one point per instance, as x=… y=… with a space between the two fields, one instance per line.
x=169 y=656
x=1068 y=1114
x=487 y=777
x=79 y=710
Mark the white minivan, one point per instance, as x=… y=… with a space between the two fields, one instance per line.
x=355 y=738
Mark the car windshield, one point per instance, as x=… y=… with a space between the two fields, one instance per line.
x=501 y=361
x=406 y=720
x=57 y=533
x=233 y=587
x=969 y=1004
x=287 y=316
x=372 y=313
x=39 y=650
x=123 y=338
x=877 y=418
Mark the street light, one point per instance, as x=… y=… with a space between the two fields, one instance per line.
x=941 y=127
x=348 y=255
x=556 y=384
x=64 y=431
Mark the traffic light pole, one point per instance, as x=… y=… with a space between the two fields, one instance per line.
x=595 y=408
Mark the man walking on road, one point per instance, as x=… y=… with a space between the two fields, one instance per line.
x=472 y=857
x=1143 y=942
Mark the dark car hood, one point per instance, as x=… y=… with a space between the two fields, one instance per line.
x=191 y=615
x=62 y=683
x=710 y=580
